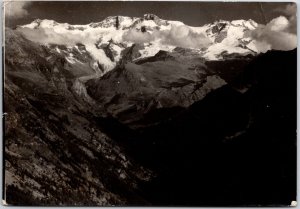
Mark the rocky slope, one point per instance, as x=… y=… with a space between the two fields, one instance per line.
x=55 y=153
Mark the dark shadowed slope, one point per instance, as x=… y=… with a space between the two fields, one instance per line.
x=237 y=146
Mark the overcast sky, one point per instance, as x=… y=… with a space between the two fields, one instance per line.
x=191 y=13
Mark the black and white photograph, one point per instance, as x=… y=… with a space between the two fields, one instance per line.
x=149 y=103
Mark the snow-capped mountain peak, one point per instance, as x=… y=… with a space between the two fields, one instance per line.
x=249 y=24
x=38 y=23
x=105 y=40
x=229 y=37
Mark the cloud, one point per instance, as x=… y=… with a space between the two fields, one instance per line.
x=181 y=36
x=16 y=9
x=49 y=36
x=278 y=34
x=138 y=37
x=290 y=11
x=69 y=38
x=278 y=24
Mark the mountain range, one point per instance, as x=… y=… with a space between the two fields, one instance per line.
x=146 y=111
x=152 y=34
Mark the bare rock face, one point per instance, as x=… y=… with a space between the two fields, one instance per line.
x=150 y=17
